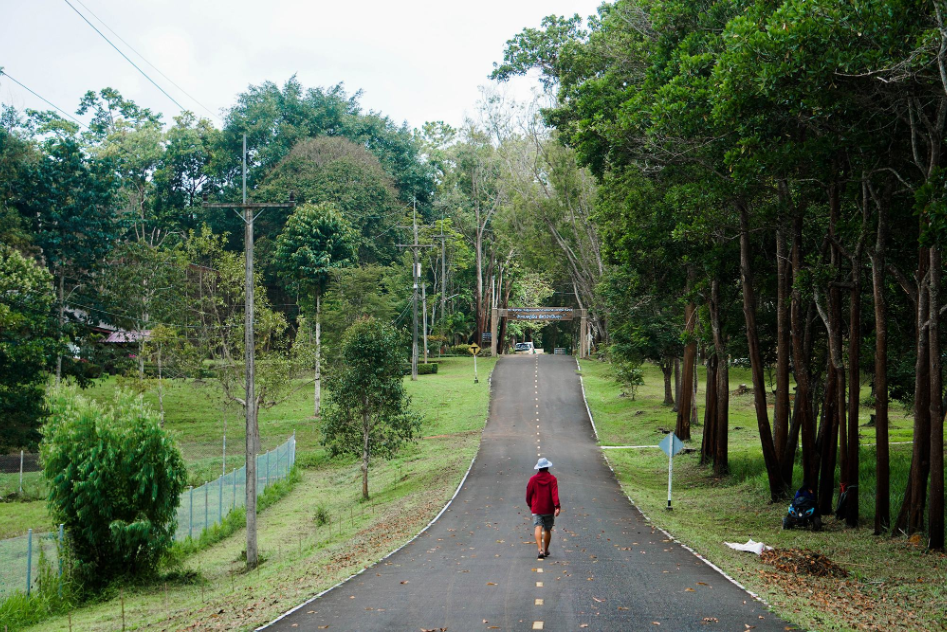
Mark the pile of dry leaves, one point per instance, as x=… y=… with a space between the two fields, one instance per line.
x=803 y=562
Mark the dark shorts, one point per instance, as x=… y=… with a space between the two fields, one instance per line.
x=546 y=521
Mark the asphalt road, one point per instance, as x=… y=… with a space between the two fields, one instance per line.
x=476 y=567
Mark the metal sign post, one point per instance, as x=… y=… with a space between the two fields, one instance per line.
x=474 y=350
x=671 y=445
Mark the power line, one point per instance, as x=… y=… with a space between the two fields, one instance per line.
x=158 y=70
x=4 y=73
x=119 y=51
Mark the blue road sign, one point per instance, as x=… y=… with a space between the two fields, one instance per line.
x=671 y=445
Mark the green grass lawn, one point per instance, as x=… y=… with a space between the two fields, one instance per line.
x=894 y=584
x=302 y=556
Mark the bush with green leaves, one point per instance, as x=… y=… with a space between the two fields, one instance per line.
x=628 y=373
x=114 y=477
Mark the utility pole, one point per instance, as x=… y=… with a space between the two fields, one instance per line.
x=443 y=239
x=251 y=406
x=424 y=317
x=416 y=271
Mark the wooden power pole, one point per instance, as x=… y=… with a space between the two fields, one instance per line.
x=252 y=406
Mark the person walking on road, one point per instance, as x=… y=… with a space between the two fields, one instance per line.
x=542 y=496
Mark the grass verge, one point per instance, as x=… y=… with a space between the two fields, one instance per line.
x=320 y=532
x=893 y=584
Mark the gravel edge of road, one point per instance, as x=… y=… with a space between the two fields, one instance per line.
x=645 y=516
x=413 y=538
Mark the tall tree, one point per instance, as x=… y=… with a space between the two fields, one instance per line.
x=315 y=241
x=368 y=413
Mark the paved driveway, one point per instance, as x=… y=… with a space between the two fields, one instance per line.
x=476 y=568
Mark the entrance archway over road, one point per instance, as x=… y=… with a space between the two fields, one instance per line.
x=541 y=314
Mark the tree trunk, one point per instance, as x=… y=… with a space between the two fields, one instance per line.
x=366 y=428
x=677 y=384
x=160 y=389
x=935 y=512
x=882 y=466
x=911 y=517
x=317 y=382
x=683 y=429
x=666 y=368
x=722 y=385
x=854 y=386
x=777 y=489
x=61 y=293
x=828 y=441
x=783 y=344
x=709 y=439
x=801 y=357
x=694 y=421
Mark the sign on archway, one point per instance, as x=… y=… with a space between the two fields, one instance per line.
x=541 y=314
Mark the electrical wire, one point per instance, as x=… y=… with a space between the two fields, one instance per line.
x=158 y=70
x=119 y=51
x=4 y=73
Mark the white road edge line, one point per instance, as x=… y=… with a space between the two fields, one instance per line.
x=651 y=522
x=416 y=536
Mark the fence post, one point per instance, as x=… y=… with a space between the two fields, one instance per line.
x=59 y=553
x=21 y=472
x=233 y=499
x=29 y=560
x=206 y=502
x=220 y=500
x=267 y=483
x=190 y=518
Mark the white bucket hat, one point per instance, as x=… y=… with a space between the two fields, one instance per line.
x=543 y=462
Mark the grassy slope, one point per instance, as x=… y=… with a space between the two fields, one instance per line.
x=894 y=585
x=303 y=558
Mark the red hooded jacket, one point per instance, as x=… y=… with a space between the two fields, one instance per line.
x=542 y=493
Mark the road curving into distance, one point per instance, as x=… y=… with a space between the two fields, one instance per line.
x=476 y=567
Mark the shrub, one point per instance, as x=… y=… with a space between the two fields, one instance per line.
x=629 y=375
x=423 y=369
x=460 y=349
x=114 y=477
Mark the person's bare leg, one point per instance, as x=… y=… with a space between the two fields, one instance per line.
x=538 y=532
x=547 y=537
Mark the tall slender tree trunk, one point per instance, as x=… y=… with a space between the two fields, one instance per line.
x=828 y=441
x=882 y=459
x=366 y=433
x=160 y=388
x=854 y=384
x=777 y=489
x=801 y=357
x=61 y=293
x=722 y=385
x=683 y=429
x=783 y=345
x=317 y=382
x=667 y=365
x=677 y=384
x=935 y=525
x=709 y=439
x=911 y=516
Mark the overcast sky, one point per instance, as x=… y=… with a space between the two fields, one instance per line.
x=415 y=60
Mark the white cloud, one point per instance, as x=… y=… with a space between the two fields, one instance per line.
x=415 y=60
